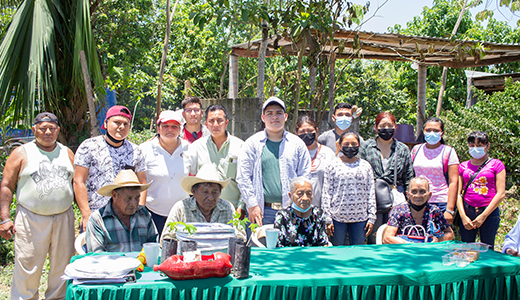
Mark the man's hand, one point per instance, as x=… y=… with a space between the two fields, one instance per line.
x=255 y=215
x=242 y=213
x=511 y=252
x=7 y=230
x=84 y=220
x=368 y=228
x=330 y=229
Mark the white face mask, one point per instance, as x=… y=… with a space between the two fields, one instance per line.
x=432 y=138
x=343 y=122
x=477 y=152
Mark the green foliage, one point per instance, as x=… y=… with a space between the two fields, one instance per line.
x=6 y=14
x=139 y=137
x=7 y=246
x=498 y=115
x=189 y=228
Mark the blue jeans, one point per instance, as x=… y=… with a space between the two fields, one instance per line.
x=488 y=229
x=356 y=233
x=441 y=206
x=159 y=222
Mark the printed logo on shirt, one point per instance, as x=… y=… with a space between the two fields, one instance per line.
x=480 y=186
x=233 y=159
x=50 y=177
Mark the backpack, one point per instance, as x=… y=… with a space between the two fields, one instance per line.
x=445 y=158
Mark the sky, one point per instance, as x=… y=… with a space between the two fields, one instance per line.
x=402 y=11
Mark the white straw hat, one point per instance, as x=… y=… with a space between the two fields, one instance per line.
x=125 y=178
x=207 y=173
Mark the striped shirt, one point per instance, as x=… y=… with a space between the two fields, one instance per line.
x=106 y=233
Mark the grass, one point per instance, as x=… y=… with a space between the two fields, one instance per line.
x=509 y=211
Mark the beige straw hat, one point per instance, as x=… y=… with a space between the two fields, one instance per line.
x=125 y=178
x=207 y=173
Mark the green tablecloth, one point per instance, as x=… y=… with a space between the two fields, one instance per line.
x=412 y=271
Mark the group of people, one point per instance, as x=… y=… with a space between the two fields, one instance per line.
x=316 y=189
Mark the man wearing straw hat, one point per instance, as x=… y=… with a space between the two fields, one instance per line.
x=204 y=205
x=122 y=225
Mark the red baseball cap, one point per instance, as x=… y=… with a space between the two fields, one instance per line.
x=117 y=110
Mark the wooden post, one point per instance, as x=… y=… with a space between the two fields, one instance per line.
x=187 y=88
x=470 y=100
x=94 y=130
x=233 y=77
x=332 y=81
x=421 y=99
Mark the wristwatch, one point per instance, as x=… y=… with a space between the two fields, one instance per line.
x=450 y=211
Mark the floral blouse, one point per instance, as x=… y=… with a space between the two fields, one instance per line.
x=296 y=231
x=401 y=216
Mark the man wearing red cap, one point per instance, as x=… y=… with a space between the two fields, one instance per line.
x=99 y=159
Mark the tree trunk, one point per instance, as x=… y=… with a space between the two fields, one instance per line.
x=301 y=54
x=332 y=79
x=261 y=62
x=445 y=69
x=94 y=130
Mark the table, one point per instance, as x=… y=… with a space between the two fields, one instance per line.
x=411 y=271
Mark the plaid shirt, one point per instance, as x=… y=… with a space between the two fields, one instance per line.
x=106 y=233
x=187 y=211
x=371 y=153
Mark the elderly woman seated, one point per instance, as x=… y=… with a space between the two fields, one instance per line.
x=417 y=211
x=301 y=224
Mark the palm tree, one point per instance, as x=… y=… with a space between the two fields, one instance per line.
x=40 y=69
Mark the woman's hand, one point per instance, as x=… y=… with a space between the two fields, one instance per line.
x=449 y=217
x=330 y=229
x=468 y=224
x=479 y=220
x=368 y=228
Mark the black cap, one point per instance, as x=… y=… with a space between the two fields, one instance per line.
x=45 y=117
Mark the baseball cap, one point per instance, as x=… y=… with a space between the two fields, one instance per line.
x=273 y=100
x=45 y=117
x=117 y=110
x=169 y=115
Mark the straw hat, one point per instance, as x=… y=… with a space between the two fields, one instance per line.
x=207 y=173
x=125 y=178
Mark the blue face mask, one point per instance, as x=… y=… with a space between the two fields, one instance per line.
x=477 y=152
x=296 y=207
x=432 y=138
x=343 y=122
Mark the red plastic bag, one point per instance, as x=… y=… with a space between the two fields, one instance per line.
x=216 y=265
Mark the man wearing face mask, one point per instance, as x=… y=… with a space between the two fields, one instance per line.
x=342 y=117
x=417 y=211
x=99 y=159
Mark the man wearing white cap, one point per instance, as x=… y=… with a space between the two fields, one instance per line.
x=269 y=160
x=166 y=163
x=122 y=225
x=40 y=173
x=99 y=159
x=204 y=205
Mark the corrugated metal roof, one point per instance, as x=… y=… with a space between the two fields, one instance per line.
x=397 y=47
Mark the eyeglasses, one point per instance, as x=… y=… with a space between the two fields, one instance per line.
x=190 y=110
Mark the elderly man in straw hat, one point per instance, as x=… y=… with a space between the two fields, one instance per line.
x=121 y=225
x=204 y=205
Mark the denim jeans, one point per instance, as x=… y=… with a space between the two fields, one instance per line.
x=159 y=221
x=356 y=233
x=488 y=229
x=441 y=206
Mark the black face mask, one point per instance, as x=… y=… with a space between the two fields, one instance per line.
x=308 y=138
x=386 y=133
x=350 y=151
x=417 y=207
x=113 y=140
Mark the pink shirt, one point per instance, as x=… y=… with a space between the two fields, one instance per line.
x=428 y=163
x=483 y=188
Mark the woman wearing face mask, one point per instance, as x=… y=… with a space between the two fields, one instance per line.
x=438 y=163
x=321 y=155
x=482 y=185
x=348 y=199
x=381 y=153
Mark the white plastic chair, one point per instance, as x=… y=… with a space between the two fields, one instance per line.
x=380 y=232
x=259 y=233
x=79 y=242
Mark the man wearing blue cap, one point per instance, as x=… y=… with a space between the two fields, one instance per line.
x=269 y=160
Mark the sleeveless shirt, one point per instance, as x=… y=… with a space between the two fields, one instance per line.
x=45 y=182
